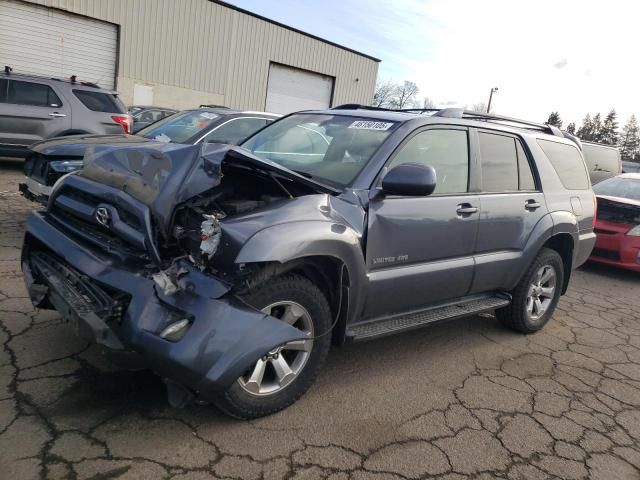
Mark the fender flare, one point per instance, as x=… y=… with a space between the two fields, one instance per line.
x=286 y=242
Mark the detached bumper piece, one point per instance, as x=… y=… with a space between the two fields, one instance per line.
x=81 y=302
x=117 y=303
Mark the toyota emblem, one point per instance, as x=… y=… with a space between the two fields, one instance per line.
x=103 y=216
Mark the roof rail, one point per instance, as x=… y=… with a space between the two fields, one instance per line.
x=73 y=79
x=461 y=113
x=212 y=106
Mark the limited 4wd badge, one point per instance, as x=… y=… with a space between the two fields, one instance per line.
x=369 y=125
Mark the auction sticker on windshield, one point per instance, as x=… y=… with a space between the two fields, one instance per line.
x=208 y=115
x=369 y=125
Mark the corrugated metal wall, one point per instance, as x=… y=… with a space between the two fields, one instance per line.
x=205 y=47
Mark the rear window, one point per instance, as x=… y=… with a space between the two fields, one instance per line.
x=568 y=164
x=601 y=159
x=100 y=101
x=31 y=93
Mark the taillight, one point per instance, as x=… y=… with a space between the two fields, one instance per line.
x=595 y=210
x=124 y=121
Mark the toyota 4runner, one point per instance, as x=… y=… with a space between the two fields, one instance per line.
x=231 y=270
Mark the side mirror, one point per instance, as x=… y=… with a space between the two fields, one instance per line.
x=410 y=180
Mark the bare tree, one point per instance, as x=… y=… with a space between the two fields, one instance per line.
x=406 y=94
x=428 y=103
x=480 y=107
x=384 y=93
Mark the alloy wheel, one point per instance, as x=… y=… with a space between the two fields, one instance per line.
x=281 y=366
x=541 y=292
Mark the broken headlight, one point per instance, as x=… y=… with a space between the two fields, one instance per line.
x=210 y=233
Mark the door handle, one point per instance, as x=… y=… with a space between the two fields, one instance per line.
x=466 y=209
x=56 y=114
x=532 y=205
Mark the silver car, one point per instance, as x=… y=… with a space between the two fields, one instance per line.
x=35 y=108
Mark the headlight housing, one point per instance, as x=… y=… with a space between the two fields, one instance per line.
x=634 y=232
x=66 y=166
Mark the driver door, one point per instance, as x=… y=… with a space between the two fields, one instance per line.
x=420 y=249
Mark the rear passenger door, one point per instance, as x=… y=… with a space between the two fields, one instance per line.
x=511 y=204
x=30 y=112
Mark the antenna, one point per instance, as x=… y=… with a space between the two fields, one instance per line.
x=7 y=69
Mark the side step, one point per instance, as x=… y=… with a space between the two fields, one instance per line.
x=408 y=321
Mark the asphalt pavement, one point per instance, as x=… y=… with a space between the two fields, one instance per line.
x=464 y=399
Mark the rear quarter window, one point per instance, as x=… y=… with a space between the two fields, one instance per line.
x=100 y=101
x=568 y=164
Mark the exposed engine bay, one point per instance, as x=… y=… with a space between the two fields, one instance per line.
x=198 y=225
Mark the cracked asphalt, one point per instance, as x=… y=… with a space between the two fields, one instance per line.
x=465 y=399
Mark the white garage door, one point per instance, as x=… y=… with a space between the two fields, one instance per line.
x=45 y=41
x=290 y=90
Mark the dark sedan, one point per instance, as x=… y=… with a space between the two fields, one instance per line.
x=49 y=160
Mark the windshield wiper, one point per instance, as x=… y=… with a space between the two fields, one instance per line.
x=304 y=174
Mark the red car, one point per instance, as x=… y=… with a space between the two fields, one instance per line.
x=618 y=222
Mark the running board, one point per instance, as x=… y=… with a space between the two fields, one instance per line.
x=400 y=323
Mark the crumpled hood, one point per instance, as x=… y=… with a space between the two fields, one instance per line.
x=164 y=175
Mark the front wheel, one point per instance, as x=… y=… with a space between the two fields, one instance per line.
x=535 y=298
x=284 y=374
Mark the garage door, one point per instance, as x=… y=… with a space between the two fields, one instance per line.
x=45 y=41
x=290 y=89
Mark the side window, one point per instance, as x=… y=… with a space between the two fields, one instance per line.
x=34 y=94
x=447 y=151
x=4 y=85
x=98 y=101
x=499 y=163
x=525 y=175
x=236 y=130
x=568 y=164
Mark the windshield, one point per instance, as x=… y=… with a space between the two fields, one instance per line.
x=619 y=187
x=180 y=127
x=330 y=148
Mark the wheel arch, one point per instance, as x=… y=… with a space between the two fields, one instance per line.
x=564 y=244
x=324 y=252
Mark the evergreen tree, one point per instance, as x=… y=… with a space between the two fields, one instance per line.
x=585 y=132
x=630 y=141
x=609 y=133
x=597 y=129
x=554 y=119
x=571 y=128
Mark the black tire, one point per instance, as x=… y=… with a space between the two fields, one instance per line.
x=238 y=402
x=515 y=315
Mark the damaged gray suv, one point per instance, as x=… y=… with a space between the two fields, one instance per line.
x=230 y=271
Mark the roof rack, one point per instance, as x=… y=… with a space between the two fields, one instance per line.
x=73 y=79
x=461 y=113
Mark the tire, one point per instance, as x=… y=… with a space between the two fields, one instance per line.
x=276 y=391
x=523 y=314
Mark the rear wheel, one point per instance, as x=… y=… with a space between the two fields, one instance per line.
x=284 y=374
x=535 y=298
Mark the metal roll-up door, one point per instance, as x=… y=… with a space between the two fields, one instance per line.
x=291 y=89
x=46 y=41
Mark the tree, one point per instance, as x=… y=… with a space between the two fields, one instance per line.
x=585 y=132
x=428 y=103
x=480 y=107
x=554 y=119
x=609 y=132
x=597 y=129
x=384 y=93
x=571 y=128
x=405 y=95
x=630 y=141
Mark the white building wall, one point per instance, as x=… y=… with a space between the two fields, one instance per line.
x=199 y=51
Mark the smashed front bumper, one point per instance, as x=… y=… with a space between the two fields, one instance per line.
x=121 y=307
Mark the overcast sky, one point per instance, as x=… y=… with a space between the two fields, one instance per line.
x=570 y=56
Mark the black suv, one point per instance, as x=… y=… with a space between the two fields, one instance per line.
x=230 y=270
